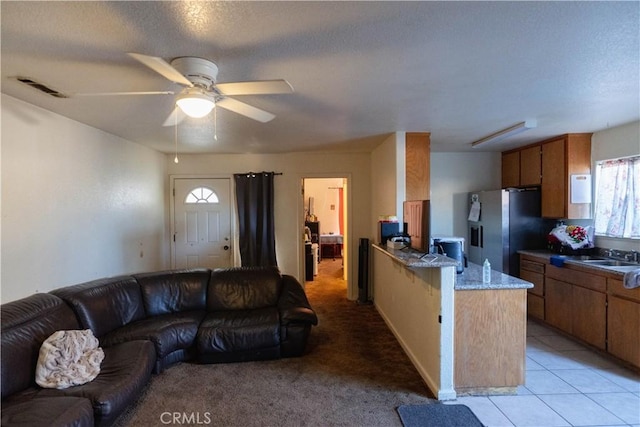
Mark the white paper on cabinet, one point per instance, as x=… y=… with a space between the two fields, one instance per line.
x=581 y=188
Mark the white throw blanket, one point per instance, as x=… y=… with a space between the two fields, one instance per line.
x=632 y=279
x=68 y=358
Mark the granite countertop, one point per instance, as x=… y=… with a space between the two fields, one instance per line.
x=415 y=259
x=575 y=260
x=471 y=279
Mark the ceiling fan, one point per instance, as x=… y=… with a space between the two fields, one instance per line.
x=201 y=92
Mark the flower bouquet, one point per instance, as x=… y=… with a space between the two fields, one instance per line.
x=569 y=238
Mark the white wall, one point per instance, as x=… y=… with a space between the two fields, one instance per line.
x=289 y=213
x=453 y=176
x=387 y=180
x=325 y=196
x=77 y=203
x=410 y=300
x=620 y=141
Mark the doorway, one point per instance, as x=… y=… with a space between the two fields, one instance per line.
x=201 y=223
x=325 y=201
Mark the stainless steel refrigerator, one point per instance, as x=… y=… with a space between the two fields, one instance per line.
x=502 y=222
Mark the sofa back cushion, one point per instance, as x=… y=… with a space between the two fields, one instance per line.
x=243 y=288
x=26 y=323
x=173 y=291
x=105 y=304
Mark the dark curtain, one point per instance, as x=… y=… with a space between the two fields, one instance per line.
x=254 y=195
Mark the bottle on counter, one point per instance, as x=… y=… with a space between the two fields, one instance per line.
x=486 y=271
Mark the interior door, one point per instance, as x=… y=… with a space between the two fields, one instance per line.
x=202 y=223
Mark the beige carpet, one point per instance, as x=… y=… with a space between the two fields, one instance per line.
x=354 y=374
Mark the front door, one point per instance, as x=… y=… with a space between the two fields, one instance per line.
x=202 y=223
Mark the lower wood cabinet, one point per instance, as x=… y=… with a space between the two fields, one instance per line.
x=557 y=299
x=576 y=302
x=589 y=322
x=533 y=271
x=578 y=311
x=623 y=322
x=490 y=339
x=595 y=308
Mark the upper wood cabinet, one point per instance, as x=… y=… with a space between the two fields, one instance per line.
x=530 y=166
x=562 y=157
x=511 y=169
x=550 y=164
x=417 y=158
x=521 y=167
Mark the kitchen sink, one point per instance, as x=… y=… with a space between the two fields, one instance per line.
x=610 y=263
x=625 y=268
x=589 y=258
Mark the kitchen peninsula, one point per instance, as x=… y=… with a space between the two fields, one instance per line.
x=462 y=335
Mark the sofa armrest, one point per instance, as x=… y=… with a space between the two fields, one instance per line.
x=293 y=303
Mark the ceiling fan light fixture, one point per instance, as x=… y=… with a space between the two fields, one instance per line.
x=195 y=103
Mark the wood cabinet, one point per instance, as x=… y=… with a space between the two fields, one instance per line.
x=533 y=271
x=623 y=322
x=511 y=169
x=530 y=166
x=550 y=164
x=522 y=167
x=416 y=215
x=562 y=157
x=556 y=301
x=490 y=339
x=588 y=304
x=576 y=302
x=418 y=159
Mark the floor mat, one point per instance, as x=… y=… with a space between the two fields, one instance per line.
x=437 y=415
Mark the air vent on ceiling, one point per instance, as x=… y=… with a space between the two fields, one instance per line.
x=41 y=87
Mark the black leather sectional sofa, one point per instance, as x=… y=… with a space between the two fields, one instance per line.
x=145 y=323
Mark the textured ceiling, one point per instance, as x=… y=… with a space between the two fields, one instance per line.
x=361 y=70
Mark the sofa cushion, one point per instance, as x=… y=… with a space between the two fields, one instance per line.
x=243 y=288
x=168 y=332
x=239 y=330
x=60 y=411
x=25 y=324
x=125 y=371
x=105 y=304
x=174 y=291
x=293 y=303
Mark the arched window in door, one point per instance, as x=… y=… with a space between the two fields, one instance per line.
x=201 y=195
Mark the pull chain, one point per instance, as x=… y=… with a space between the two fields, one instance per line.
x=215 y=124
x=175 y=112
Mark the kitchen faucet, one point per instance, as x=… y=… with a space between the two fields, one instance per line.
x=633 y=256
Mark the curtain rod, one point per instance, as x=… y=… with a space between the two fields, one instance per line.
x=254 y=173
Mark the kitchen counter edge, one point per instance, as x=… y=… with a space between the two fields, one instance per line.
x=469 y=279
x=545 y=256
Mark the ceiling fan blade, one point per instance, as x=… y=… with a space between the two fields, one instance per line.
x=161 y=67
x=164 y=92
x=171 y=120
x=245 y=109
x=259 y=87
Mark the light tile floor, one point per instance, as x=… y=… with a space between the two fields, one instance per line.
x=566 y=385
